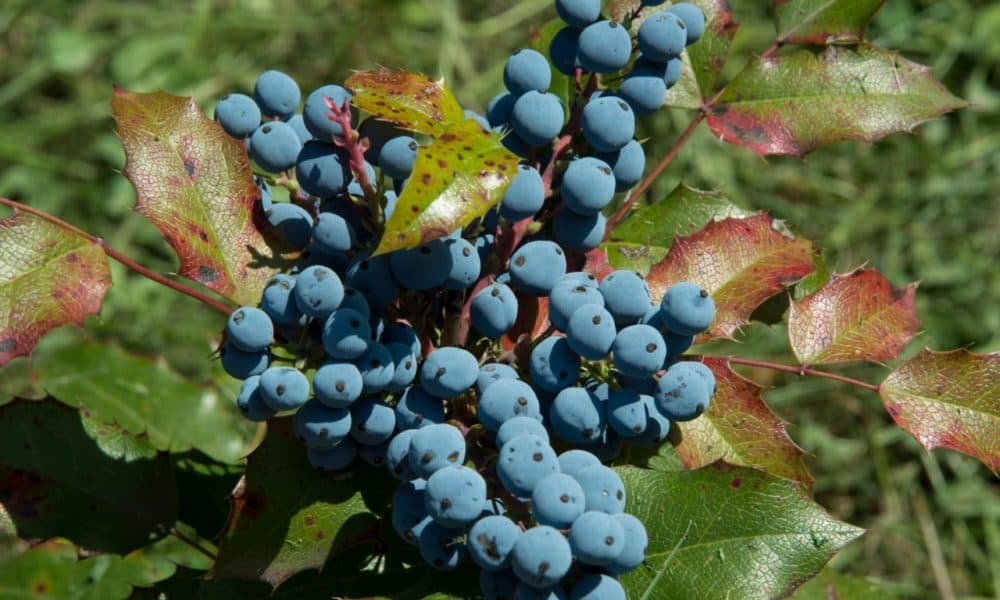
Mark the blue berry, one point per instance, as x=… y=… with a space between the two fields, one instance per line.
x=627 y=412
x=293 y=223
x=537 y=118
x=557 y=501
x=321 y=169
x=441 y=547
x=497 y=585
x=401 y=332
x=490 y=373
x=277 y=94
x=449 y=371
x=527 y=70
x=604 y=47
x=526 y=592
x=563 y=50
x=397 y=457
x=336 y=458
x=500 y=403
x=465 y=265
x=525 y=195
x=657 y=425
x=249 y=329
x=596 y=538
x=318 y=291
x=627 y=164
x=422 y=268
x=332 y=234
x=277 y=300
x=337 y=385
x=240 y=364
x=377 y=367
x=250 y=403
x=693 y=18
x=373 y=278
x=435 y=447
x=591 y=331
x=397 y=157
x=494 y=310
x=662 y=36
x=541 y=557
x=577 y=416
x=515 y=426
x=578 y=233
x=687 y=308
x=603 y=489
x=284 y=388
x=238 y=115
x=568 y=295
x=636 y=543
x=626 y=296
x=500 y=109
x=535 y=267
x=404 y=367
x=639 y=351
x=645 y=90
x=523 y=462
x=608 y=123
x=355 y=300
x=597 y=586
x=416 y=408
x=377 y=132
x=554 y=365
x=573 y=462
x=346 y=334
x=316 y=114
x=578 y=13
x=491 y=541
x=299 y=125
x=320 y=426
x=372 y=422
x=706 y=374
x=275 y=146
x=455 y=496
x=409 y=508
x=588 y=185
x=682 y=393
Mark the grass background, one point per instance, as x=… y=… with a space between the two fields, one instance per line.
x=918 y=207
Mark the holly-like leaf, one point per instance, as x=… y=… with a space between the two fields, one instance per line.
x=857 y=316
x=457 y=178
x=831 y=585
x=49 y=277
x=194 y=183
x=56 y=482
x=703 y=60
x=823 y=21
x=410 y=100
x=741 y=430
x=144 y=397
x=727 y=532
x=741 y=262
x=949 y=400
x=290 y=517
x=792 y=103
x=645 y=236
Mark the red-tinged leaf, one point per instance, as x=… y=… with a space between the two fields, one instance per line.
x=412 y=101
x=596 y=263
x=823 y=21
x=194 y=183
x=532 y=320
x=457 y=178
x=703 y=60
x=741 y=262
x=949 y=400
x=619 y=10
x=858 y=316
x=793 y=103
x=49 y=277
x=741 y=430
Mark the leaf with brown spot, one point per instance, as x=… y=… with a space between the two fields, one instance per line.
x=410 y=100
x=457 y=178
x=741 y=430
x=796 y=102
x=194 y=183
x=949 y=400
x=858 y=316
x=49 y=277
x=823 y=21
x=741 y=262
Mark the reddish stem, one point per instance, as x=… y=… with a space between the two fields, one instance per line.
x=128 y=262
x=565 y=140
x=341 y=115
x=652 y=175
x=801 y=371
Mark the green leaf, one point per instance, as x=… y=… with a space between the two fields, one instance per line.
x=732 y=533
x=55 y=481
x=289 y=517
x=144 y=397
x=741 y=262
x=792 y=103
x=703 y=60
x=830 y=585
x=194 y=183
x=18 y=379
x=52 y=570
x=741 y=430
x=410 y=100
x=457 y=178
x=645 y=236
x=949 y=400
x=857 y=316
x=823 y=21
x=49 y=277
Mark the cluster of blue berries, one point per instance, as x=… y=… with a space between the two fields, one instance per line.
x=352 y=346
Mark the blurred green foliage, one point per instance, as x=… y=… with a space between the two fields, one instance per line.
x=918 y=207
